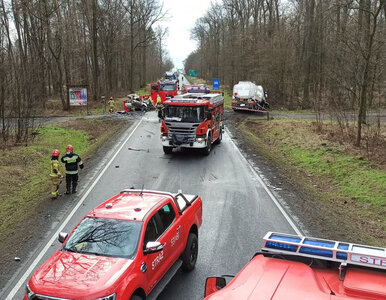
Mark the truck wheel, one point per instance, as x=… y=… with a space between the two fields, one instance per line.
x=219 y=139
x=189 y=257
x=208 y=145
x=168 y=150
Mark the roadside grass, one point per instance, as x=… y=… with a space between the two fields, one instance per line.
x=25 y=170
x=329 y=171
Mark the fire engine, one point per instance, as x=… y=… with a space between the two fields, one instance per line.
x=192 y=121
x=165 y=88
x=298 y=267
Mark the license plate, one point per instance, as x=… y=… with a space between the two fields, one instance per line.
x=242 y=104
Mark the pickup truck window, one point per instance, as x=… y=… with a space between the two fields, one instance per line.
x=167 y=215
x=106 y=237
x=159 y=223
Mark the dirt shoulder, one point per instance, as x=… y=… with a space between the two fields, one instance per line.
x=307 y=171
x=25 y=228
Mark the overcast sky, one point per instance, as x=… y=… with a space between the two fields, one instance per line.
x=182 y=16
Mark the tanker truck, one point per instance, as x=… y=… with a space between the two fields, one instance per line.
x=249 y=96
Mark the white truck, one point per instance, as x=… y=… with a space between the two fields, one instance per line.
x=249 y=96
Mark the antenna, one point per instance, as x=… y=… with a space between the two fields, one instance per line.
x=141 y=193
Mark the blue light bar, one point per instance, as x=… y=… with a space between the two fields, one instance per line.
x=318 y=252
x=285 y=238
x=281 y=246
x=363 y=255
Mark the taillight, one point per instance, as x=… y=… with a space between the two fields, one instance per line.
x=164 y=128
x=201 y=129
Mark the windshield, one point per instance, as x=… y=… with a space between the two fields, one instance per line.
x=168 y=87
x=105 y=237
x=192 y=114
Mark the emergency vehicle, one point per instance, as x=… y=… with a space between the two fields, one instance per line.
x=167 y=89
x=192 y=121
x=298 y=267
x=125 y=248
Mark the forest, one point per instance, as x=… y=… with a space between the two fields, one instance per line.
x=325 y=55
x=48 y=45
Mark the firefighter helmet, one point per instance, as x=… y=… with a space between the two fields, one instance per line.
x=56 y=152
x=69 y=148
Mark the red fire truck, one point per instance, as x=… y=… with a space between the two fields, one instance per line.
x=192 y=121
x=298 y=267
x=167 y=89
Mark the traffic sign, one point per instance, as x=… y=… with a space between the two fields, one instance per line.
x=216 y=84
x=193 y=73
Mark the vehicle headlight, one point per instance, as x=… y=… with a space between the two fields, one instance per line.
x=29 y=292
x=111 y=297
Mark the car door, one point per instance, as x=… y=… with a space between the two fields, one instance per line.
x=152 y=262
x=173 y=234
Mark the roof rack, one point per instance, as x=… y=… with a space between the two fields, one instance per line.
x=345 y=253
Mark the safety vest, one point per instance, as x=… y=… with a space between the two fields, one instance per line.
x=55 y=169
x=159 y=100
x=72 y=161
x=111 y=103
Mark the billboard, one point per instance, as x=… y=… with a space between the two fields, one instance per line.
x=78 y=96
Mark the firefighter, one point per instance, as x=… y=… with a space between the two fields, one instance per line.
x=72 y=161
x=111 y=105
x=56 y=175
x=159 y=107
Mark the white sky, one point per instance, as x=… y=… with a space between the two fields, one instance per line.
x=182 y=17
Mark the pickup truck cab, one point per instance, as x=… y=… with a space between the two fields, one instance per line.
x=297 y=267
x=122 y=248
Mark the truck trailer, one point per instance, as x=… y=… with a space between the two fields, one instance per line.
x=249 y=96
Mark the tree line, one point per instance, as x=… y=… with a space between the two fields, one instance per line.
x=321 y=54
x=47 y=45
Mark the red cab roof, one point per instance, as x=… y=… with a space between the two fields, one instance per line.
x=128 y=206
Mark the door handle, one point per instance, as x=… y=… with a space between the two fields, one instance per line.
x=179 y=227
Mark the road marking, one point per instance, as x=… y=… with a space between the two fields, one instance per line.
x=273 y=198
x=48 y=245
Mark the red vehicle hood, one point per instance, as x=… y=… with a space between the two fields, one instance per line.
x=79 y=276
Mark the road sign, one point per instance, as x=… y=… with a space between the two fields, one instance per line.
x=193 y=73
x=216 y=84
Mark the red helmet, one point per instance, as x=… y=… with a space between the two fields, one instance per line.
x=56 y=152
x=69 y=148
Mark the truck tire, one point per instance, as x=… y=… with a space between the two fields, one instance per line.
x=168 y=150
x=189 y=257
x=208 y=147
x=219 y=139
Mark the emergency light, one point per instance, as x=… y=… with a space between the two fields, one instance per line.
x=325 y=249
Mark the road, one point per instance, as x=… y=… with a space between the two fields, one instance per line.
x=237 y=210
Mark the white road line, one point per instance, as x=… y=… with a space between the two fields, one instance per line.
x=273 y=198
x=48 y=245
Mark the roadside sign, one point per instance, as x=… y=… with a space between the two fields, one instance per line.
x=216 y=84
x=77 y=96
x=193 y=73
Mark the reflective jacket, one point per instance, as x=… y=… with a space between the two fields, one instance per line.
x=55 y=168
x=72 y=161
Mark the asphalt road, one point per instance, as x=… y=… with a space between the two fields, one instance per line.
x=237 y=210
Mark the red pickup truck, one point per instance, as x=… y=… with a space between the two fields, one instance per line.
x=297 y=267
x=122 y=248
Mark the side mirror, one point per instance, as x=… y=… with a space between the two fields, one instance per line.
x=213 y=284
x=62 y=236
x=153 y=247
x=208 y=115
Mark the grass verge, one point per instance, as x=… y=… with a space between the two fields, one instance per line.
x=25 y=170
x=345 y=192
